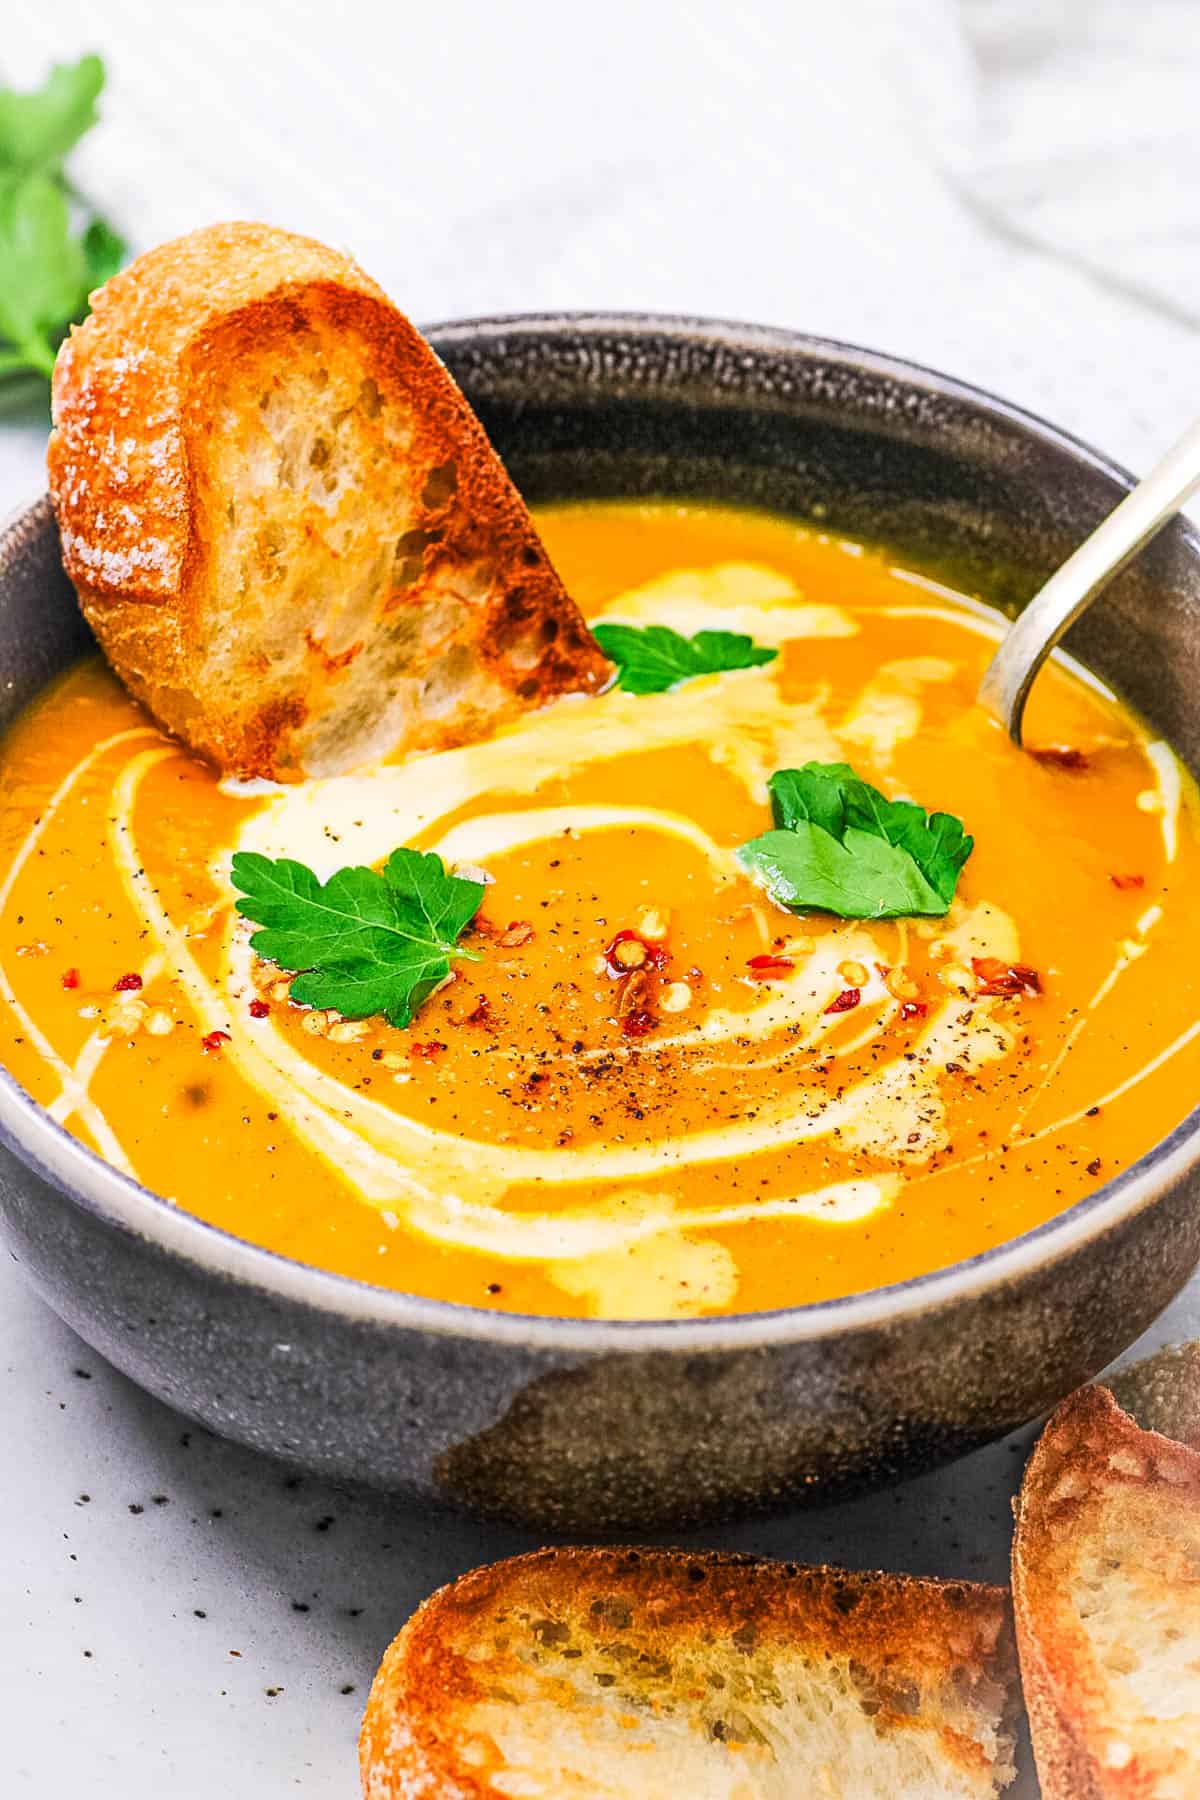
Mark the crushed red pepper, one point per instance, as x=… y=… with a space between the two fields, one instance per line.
x=913 y=1009
x=127 y=984
x=259 y=1009
x=71 y=978
x=628 y=951
x=639 y=1022
x=762 y=968
x=846 y=1001
x=517 y=932
x=997 y=977
x=214 y=1040
x=635 y=1001
x=1124 y=882
x=428 y=1051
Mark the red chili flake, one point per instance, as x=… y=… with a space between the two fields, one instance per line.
x=638 y=1022
x=996 y=977
x=519 y=932
x=214 y=1040
x=762 y=968
x=628 y=952
x=127 y=984
x=482 y=1013
x=913 y=1009
x=1127 y=881
x=694 y=975
x=846 y=1001
x=71 y=978
x=1060 y=756
x=259 y=1009
x=428 y=1051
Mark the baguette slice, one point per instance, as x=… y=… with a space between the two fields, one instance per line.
x=662 y=1675
x=1106 y=1580
x=285 y=524
x=1162 y=1392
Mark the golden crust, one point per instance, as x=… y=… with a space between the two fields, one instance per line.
x=1107 y=1511
x=285 y=524
x=679 y=1627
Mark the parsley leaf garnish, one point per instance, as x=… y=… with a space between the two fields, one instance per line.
x=53 y=249
x=841 y=846
x=37 y=130
x=365 y=941
x=652 y=658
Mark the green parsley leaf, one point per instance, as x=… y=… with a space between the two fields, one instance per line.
x=841 y=846
x=364 y=941
x=37 y=130
x=42 y=283
x=104 y=252
x=653 y=658
x=48 y=266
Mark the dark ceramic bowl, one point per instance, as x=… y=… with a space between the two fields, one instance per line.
x=594 y=1427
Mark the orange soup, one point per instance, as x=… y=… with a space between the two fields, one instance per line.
x=657 y=1092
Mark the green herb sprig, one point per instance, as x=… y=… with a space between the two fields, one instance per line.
x=840 y=846
x=365 y=941
x=652 y=658
x=54 y=249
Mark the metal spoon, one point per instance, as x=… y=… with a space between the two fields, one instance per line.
x=1070 y=590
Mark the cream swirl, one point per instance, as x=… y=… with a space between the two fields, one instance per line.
x=451 y=1187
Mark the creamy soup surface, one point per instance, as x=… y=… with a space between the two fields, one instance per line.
x=519 y=1147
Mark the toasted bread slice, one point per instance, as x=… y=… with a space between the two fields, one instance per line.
x=659 y=1675
x=285 y=524
x=1106 y=1580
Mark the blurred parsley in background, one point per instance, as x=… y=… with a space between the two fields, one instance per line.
x=54 y=249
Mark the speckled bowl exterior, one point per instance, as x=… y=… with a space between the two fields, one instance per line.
x=594 y=1427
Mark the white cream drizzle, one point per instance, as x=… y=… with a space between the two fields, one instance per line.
x=665 y=1277
x=92 y=1054
x=495 y=834
x=888 y=711
x=361 y=818
x=971 y=931
x=745 y=597
x=618 y=1250
x=74 y=1082
x=1168 y=783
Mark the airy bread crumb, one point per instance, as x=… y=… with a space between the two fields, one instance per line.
x=285 y=524
x=1106 y=1582
x=660 y=1675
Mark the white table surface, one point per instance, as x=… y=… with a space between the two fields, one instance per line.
x=176 y=1615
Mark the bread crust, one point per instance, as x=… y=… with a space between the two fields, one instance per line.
x=1095 y=1481
x=158 y=402
x=900 y=1632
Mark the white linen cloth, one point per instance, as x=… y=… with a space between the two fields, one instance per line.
x=832 y=168
x=1075 y=124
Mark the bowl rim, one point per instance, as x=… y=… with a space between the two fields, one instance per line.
x=82 y=1176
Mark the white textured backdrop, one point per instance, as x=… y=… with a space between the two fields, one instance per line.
x=1003 y=188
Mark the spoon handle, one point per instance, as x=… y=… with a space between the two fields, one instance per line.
x=1055 y=607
